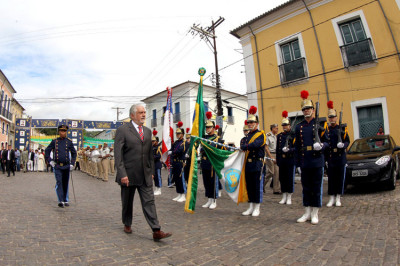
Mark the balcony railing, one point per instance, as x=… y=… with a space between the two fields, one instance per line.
x=154 y=122
x=293 y=70
x=177 y=117
x=358 y=53
x=231 y=120
x=5 y=113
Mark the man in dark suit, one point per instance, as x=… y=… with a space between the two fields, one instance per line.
x=135 y=167
x=8 y=158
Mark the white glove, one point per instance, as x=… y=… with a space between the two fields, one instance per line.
x=318 y=146
x=187 y=155
x=169 y=152
x=285 y=149
x=299 y=170
x=53 y=163
x=71 y=167
x=340 y=145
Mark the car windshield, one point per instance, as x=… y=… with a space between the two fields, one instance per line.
x=370 y=145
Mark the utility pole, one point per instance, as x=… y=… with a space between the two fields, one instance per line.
x=118 y=112
x=206 y=34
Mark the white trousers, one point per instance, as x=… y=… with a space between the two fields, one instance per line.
x=30 y=165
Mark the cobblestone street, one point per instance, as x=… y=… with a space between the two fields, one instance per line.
x=34 y=231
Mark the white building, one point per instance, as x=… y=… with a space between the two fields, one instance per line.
x=183 y=102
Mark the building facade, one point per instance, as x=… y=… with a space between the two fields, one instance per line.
x=183 y=103
x=16 y=112
x=6 y=96
x=346 y=51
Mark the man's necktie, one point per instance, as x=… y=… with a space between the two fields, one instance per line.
x=141 y=132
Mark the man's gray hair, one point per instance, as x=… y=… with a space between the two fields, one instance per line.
x=134 y=108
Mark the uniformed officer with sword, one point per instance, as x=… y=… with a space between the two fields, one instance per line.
x=63 y=161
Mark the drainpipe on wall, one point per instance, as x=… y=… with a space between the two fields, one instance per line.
x=259 y=78
x=390 y=29
x=319 y=50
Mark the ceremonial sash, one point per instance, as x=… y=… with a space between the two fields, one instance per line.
x=243 y=197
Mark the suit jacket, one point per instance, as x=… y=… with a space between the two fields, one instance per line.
x=5 y=153
x=133 y=157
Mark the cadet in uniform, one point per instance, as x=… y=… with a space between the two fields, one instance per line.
x=245 y=130
x=93 y=158
x=62 y=163
x=177 y=153
x=105 y=163
x=309 y=156
x=98 y=161
x=112 y=161
x=285 y=160
x=157 y=163
x=335 y=155
x=254 y=145
x=210 y=183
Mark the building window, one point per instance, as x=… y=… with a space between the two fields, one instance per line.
x=354 y=39
x=154 y=118
x=205 y=106
x=163 y=114
x=231 y=119
x=357 y=48
x=291 y=59
x=370 y=118
x=2 y=129
x=7 y=130
x=177 y=113
x=368 y=115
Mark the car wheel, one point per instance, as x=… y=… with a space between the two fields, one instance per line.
x=392 y=180
x=397 y=168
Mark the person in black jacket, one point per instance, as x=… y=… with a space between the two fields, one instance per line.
x=8 y=159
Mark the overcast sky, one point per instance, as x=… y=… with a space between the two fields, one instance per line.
x=79 y=59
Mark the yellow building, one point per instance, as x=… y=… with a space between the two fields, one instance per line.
x=346 y=50
x=16 y=111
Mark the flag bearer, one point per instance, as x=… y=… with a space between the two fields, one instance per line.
x=210 y=183
x=62 y=163
x=285 y=160
x=336 y=157
x=254 y=145
x=177 y=153
x=309 y=156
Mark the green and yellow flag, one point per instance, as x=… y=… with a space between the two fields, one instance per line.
x=198 y=130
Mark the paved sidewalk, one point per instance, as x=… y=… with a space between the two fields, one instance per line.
x=34 y=231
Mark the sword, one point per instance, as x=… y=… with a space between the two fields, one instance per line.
x=73 y=189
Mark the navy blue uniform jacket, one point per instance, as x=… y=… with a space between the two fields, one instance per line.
x=334 y=155
x=284 y=158
x=61 y=148
x=256 y=150
x=305 y=155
